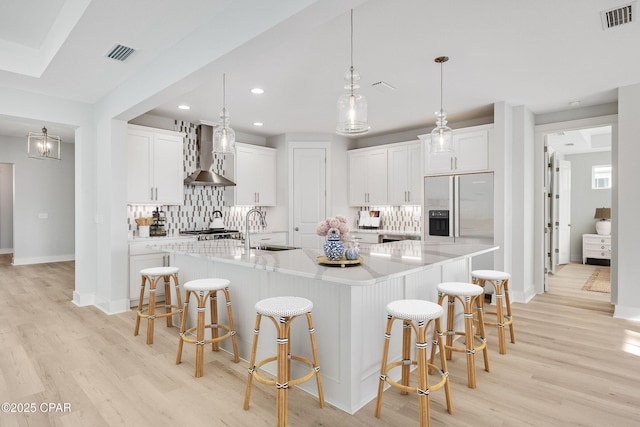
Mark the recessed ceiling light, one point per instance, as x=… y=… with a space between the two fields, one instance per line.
x=574 y=103
x=184 y=107
x=257 y=90
x=258 y=123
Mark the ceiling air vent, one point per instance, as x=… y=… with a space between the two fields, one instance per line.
x=618 y=16
x=120 y=53
x=383 y=86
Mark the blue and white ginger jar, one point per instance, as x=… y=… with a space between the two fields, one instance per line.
x=333 y=247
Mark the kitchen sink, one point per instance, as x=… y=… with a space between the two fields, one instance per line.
x=274 y=247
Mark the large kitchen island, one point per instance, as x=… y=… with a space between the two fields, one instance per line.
x=349 y=303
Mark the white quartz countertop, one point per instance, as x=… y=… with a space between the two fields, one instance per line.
x=381 y=261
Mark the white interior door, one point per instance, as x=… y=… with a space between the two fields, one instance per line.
x=547 y=212
x=553 y=213
x=309 y=195
x=564 y=212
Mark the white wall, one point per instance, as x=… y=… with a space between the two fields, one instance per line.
x=41 y=187
x=625 y=196
x=584 y=199
x=6 y=208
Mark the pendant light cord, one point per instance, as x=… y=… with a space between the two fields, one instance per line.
x=351 y=69
x=441 y=109
x=224 y=92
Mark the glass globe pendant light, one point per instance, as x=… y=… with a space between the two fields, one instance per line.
x=441 y=135
x=352 y=106
x=224 y=138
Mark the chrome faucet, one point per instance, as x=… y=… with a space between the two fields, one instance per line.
x=263 y=223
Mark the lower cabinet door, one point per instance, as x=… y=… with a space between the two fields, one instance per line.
x=140 y=262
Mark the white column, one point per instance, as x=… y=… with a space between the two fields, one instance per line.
x=625 y=233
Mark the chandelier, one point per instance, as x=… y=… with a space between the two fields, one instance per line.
x=43 y=146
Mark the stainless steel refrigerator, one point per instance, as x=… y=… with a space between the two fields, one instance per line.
x=459 y=208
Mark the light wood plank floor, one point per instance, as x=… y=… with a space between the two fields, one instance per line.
x=573 y=365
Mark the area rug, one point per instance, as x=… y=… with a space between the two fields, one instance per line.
x=599 y=281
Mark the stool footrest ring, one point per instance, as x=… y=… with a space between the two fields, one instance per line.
x=408 y=389
x=292 y=382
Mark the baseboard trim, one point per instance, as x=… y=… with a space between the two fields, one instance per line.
x=83 y=300
x=43 y=260
x=626 y=312
x=6 y=251
x=114 y=307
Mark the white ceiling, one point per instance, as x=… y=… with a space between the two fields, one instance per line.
x=543 y=54
x=581 y=141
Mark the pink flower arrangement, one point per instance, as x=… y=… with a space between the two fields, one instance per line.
x=338 y=222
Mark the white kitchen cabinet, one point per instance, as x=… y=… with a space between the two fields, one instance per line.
x=365 y=239
x=255 y=176
x=405 y=174
x=368 y=177
x=155 y=166
x=141 y=257
x=596 y=246
x=472 y=152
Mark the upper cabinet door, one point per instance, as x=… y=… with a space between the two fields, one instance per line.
x=139 y=178
x=168 y=169
x=255 y=177
x=154 y=166
x=472 y=152
x=405 y=175
x=367 y=177
x=377 y=177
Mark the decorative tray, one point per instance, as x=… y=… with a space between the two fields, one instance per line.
x=343 y=262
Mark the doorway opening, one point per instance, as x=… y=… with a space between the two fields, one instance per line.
x=576 y=189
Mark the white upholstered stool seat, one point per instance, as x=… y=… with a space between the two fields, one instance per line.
x=499 y=281
x=159 y=271
x=468 y=295
x=206 y=290
x=282 y=311
x=460 y=289
x=206 y=284
x=414 y=309
x=284 y=306
x=151 y=277
x=490 y=275
x=416 y=315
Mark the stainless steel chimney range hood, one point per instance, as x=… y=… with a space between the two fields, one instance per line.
x=205 y=174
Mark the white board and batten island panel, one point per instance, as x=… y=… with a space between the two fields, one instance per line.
x=349 y=311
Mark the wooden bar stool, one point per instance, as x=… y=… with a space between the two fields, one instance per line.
x=206 y=289
x=417 y=315
x=499 y=280
x=152 y=276
x=282 y=311
x=469 y=295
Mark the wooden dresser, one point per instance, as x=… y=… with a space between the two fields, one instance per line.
x=596 y=246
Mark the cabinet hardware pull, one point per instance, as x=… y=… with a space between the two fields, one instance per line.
x=156 y=194
x=451 y=161
x=151 y=195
